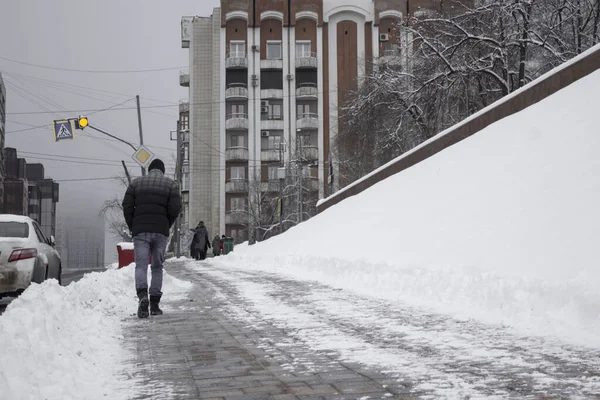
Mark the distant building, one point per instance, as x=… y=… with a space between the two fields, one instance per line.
x=2 y=133
x=16 y=187
x=81 y=242
x=29 y=192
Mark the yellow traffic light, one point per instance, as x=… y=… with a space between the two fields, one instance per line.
x=83 y=122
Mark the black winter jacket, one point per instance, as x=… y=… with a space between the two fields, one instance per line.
x=151 y=204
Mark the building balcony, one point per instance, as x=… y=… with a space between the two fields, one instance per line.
x=271 y=64
x=236 y=186
x=236 y=61
x=310 y=153
x=184 y=106
x=270 y=186
x=307 y=90
x=185 y=136
x=267 y=94
x=311 y=184
x=236 y=154
x=270 y=123
x=236 y=218
x=236 y=121
x=307 y=121
x=184 y=78
x=236 y=91
x=270 y=155
x=307 y=61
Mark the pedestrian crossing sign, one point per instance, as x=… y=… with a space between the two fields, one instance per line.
x=143 y=156
x=63 y=129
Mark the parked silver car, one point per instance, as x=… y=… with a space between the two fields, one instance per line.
x=26 y=255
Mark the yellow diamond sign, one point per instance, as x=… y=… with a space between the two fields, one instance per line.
x=143 y=156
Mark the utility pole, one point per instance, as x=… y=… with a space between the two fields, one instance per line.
x=177 y=233
x=137 y=98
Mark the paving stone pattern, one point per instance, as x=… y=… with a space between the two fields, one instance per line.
x=194 y=351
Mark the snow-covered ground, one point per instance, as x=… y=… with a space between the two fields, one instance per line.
x=66 y=342
x=502 y=227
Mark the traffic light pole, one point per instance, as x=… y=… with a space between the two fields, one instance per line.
x=137 y=98
x=112 y=136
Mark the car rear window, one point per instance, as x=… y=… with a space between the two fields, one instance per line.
x=14 y=229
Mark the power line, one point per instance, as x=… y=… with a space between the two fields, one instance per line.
x=90 y=71
x=204 y=103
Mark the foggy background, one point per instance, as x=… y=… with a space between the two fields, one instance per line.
x=65 y=58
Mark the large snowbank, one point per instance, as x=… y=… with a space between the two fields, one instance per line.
x=501 y=227
x=67 y=342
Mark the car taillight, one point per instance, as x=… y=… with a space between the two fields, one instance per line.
x=22 y=254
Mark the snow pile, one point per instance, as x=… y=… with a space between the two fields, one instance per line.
x=66 y=342
x=502 y=227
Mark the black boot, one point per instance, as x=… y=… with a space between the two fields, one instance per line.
x=154 y=309
x=143 y=303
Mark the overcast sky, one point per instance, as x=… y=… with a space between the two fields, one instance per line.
x=92 y=35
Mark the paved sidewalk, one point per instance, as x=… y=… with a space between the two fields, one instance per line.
x=195 y=351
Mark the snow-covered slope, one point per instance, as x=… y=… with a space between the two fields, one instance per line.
x=504 y=226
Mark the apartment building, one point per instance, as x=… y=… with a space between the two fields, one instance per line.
x=266 y=81
x=2 y=137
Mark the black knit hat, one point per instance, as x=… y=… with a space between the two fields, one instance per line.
x=157 y=164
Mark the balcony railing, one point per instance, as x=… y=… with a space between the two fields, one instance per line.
x=184 y=78
x=307 y=89
x=271 y=64
x=270 y=155
x=236 y=91
x=184 y=106
x=307 y=121
x=236 y=217
x=272 y=185
x=236 y=60
x=310 y=153
x=185 y=136
x=271 y=122
x=236 y=121
x=306 y=60
x=236 y=186
x=236 y=154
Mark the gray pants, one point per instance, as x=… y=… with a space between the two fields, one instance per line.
x=145 y=244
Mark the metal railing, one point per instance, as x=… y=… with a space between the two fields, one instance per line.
x=306 y=54
x=236 y=54
x=307 y=115
x=302 y=85
x=237 y=115
x=237 y=86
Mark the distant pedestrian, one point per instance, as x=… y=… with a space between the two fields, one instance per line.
x=151 y=206
x=200 y=243
x=222 y=244
x=216 y=245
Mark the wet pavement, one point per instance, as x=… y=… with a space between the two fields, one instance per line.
x=249 y=335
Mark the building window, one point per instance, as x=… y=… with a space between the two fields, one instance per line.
x=303 y=49
x=273 y=173
x=186 y=153
x=238 y=204
x=303 y=140
x=237 y=49
x=185 y=179
x=238 y=111
x=237 y=141
x=391 y=49
x=238 y=173
x=303 y=110
x=275 y=111
x=273 y=50
x=274 y=142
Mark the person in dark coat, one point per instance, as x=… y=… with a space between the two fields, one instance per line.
x=150 y=207
x=216 y=245
x=201 y=242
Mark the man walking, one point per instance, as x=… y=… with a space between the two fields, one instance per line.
x=150 y=206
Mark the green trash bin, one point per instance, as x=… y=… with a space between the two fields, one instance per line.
x=227 y=245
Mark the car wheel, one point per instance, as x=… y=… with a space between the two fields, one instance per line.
x=59 y=275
